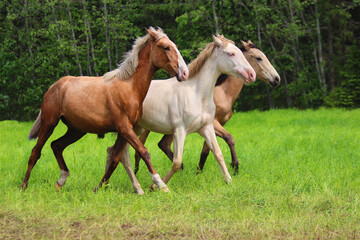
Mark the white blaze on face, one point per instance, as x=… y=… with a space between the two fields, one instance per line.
x=183 y=69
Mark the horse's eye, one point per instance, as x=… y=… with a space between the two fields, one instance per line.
x=166 y=48
x=259 y=59
x=231 y=54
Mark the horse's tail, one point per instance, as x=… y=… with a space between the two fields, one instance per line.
x=34 y=132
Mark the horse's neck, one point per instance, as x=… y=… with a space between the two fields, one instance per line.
x=206 y=78
x=232 y=87
x=144 y=73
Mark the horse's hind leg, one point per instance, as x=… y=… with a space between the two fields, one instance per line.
x=229 y=139
x=203 y=156
x=58 y=146
x=221 y=132
x=46 y=129
x=207 y=131
x=143 y=136
x=165 y=146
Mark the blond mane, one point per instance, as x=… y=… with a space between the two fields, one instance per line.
x=128 y=66
x=196 y=64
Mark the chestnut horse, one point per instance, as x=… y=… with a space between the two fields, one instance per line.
x=226 y=91
x=111 y=103
x=187 y=107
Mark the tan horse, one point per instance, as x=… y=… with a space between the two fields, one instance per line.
x=226 y=92
x=111 y=103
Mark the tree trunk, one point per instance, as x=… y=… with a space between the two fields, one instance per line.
x=215 y=17
x=107 y=36
x=87 y=39
x=321 y=63
x=287 y=96
x=59 y=40
x=296 y=49
x=317 y=67
x=288 y=99
x=88 y=29
x=74 y=39
x=331 y=59
x=269 y=97
x=27 y=28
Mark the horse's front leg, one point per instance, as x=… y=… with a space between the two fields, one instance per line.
x=131 y=137
x=208 y=132
x=179 y=139
x=125 y=160
x=127 y=165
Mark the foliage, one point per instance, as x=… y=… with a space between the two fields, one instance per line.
x=348 y=93
x=41 y=43
x=298 y=179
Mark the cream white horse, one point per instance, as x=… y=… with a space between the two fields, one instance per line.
x=182 y=108
x=227 y=90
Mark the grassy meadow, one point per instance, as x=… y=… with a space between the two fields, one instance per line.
x=299 y=178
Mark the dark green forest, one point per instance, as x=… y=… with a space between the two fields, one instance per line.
x=313 y=44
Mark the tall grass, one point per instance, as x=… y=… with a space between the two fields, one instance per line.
x=299 y=178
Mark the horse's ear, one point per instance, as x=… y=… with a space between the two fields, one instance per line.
x=250 y=42
x=159 y=29
x=245 y=44
x=217 y=40
x=153 y=34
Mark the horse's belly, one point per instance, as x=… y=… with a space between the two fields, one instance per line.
x=87 y=120
x=154 y=126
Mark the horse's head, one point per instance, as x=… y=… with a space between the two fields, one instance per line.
x=261 y=64
x=232 y=61
x=165 y=55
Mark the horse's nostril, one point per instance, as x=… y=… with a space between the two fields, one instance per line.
x=277 y=80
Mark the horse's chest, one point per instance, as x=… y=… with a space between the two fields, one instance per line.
x=199 y=122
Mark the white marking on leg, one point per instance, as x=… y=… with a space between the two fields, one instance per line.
x=157 y=180
x=63 y=176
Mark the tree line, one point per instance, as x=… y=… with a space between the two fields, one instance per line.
x=313 y=44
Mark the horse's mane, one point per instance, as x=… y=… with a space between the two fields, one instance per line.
x=195 y=65
x=128 y=66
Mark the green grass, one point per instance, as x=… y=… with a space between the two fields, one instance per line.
x=299 y=178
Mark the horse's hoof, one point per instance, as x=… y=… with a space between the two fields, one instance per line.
x=140 y=192
x=96 y=189
x=228 y=180
x=57 y=186
x=23 y=187
x=153 y=187
x=182 y=166
x=165 y=189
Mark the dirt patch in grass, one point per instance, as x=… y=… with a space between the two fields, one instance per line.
x=13 y=226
